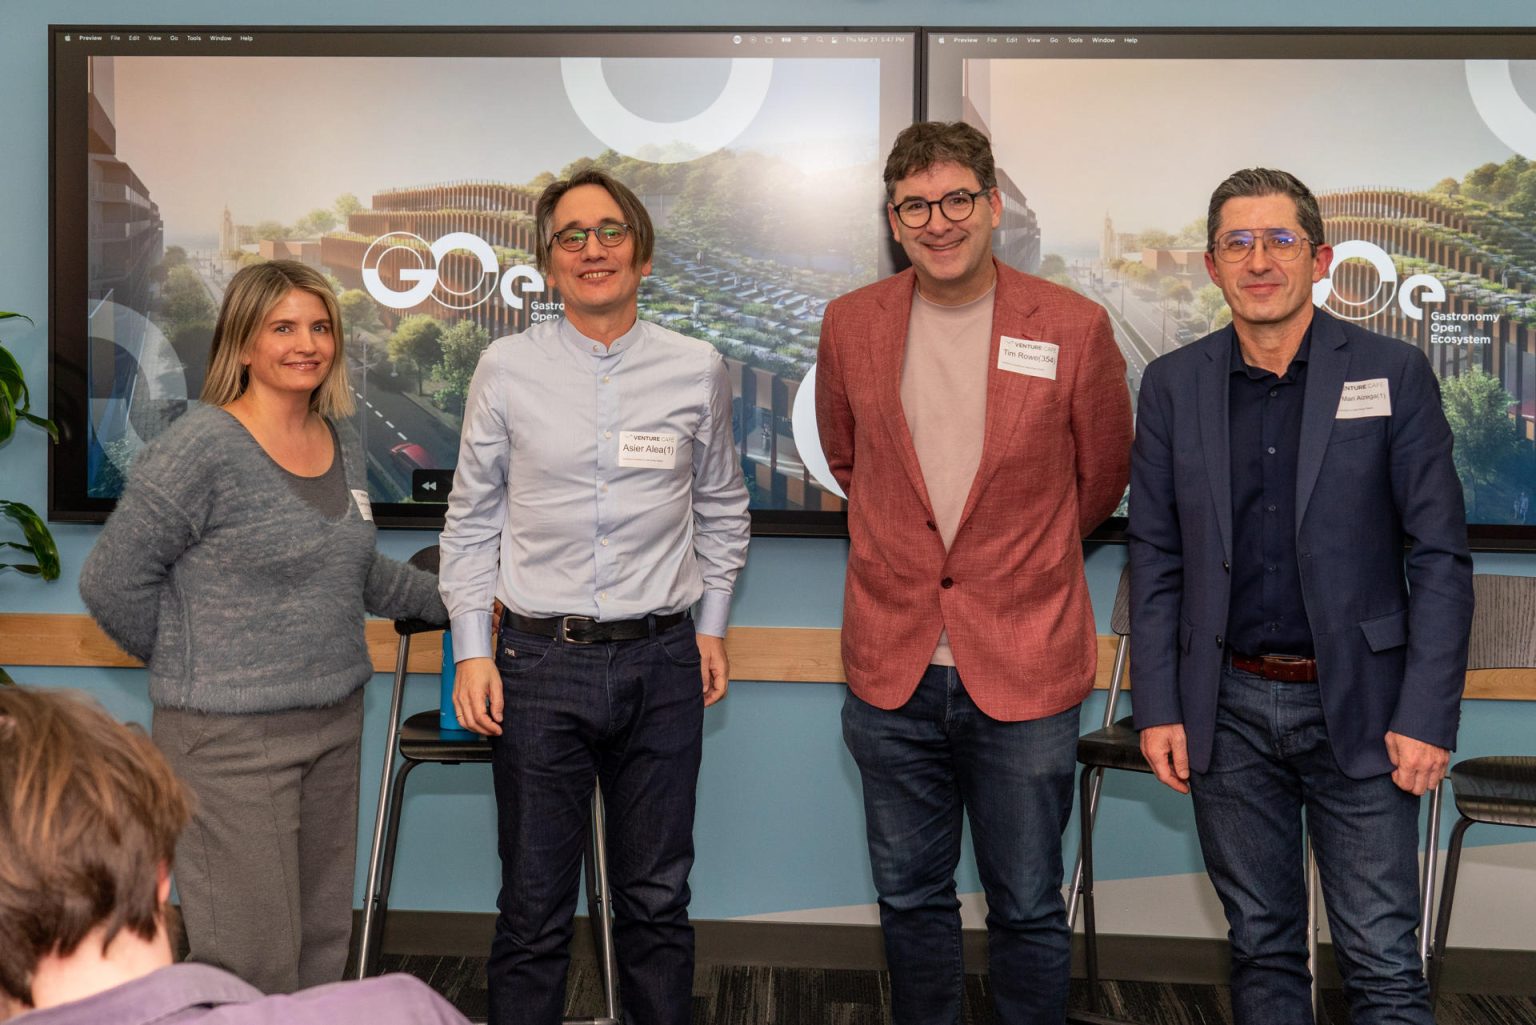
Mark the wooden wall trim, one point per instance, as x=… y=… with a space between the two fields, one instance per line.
x=778 y=654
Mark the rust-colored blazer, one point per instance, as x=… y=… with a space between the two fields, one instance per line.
x=1054 y=464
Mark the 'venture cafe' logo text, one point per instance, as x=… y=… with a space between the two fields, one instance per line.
x=420 y=274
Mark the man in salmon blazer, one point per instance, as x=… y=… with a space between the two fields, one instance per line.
x=1301 y=597
x=979 y=421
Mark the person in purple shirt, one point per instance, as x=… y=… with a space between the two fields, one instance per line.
x=89 y=816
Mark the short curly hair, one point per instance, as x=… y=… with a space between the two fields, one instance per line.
x=925 y=143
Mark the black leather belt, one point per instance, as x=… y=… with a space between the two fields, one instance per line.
x=1285 y=668
x=585 y=630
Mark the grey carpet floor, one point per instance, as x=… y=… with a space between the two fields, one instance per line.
x=739 y=995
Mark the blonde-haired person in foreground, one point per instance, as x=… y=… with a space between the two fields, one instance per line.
x=89 y=817
x=238 y=566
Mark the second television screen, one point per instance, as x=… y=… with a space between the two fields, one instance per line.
x=1420 y=148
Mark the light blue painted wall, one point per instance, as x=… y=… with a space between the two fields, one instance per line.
x=779 y=825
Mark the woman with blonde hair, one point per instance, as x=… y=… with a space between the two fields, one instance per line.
x=238 y=566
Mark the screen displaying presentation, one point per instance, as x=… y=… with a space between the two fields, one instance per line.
x=1419 y=146
x=404 y=165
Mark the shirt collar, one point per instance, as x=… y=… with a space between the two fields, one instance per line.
x=1238 y=365
x=597 y=350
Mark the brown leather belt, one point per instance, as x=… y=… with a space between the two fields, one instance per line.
x=1286 y=668
x=584 y=630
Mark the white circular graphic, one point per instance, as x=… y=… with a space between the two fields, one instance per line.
x=1323 y=293
x=802 y=420
x=1501 y=106
x=628 y=133
x=425 y=282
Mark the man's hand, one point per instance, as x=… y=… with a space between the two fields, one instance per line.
x=1419 y=765
x=477 y=696
x=714 y=667
x=1165 y=749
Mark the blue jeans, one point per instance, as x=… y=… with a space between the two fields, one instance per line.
x=631 y=714
x=924 y=765
x=1271 y=759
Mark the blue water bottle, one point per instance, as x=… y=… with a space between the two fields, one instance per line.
x=447 y=718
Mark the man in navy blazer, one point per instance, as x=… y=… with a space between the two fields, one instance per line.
x=1301 y=597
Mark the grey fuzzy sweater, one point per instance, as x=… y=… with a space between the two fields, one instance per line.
x=239 y=595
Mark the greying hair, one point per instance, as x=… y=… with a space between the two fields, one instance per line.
x=252 y=295
x=925 y=143
x=1265 y=181
x=634 y=212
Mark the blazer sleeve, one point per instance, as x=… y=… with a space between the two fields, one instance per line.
x=1156 y=556
x=834 y=416
x=1101 y=425
x=1428 y=496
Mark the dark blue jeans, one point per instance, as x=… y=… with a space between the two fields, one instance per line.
x=1270 y=761
x=631 y=714
x=923 y=766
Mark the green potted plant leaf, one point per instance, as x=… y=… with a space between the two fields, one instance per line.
x=35 y=554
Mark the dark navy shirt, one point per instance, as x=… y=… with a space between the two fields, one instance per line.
x=1267 y=614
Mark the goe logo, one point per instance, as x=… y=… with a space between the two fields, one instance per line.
x=424 y=280
x=1324 y=295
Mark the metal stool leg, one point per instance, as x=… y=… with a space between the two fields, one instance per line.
x=1314 y=924
x=600 y=914
x=1427 y=884
x=604 y=901
x=373 y=931
x=1089 y=782
x=1443 y=916
x=1090 y=809
x=365 y=950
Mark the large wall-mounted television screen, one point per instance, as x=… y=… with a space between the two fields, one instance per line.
x=404 y=164
x=1421 y=147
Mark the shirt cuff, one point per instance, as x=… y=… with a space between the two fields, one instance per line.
x=712 y=613
x=471 y=636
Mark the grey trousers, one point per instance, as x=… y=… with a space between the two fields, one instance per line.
x=265 y=870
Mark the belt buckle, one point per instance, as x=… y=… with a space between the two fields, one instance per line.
x=565 y=629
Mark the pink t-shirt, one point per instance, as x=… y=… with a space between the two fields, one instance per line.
x=944 y=397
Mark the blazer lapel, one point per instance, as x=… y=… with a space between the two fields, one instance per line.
x=1007 y=393
x=887 y=339
x=1213 y=389
x=1327 y=367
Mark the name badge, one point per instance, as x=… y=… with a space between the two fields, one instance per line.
x=647 y=451
x=1033 y=359
x=1364 y=398
x=364 y=508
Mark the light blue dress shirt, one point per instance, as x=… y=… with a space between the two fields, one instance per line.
x=595 y=481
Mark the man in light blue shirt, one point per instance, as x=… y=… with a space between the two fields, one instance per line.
x=598 y=496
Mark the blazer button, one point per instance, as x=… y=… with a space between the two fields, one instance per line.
x=1218 y=640
x=947 y=582
x=932 y=525
x=1225 y=565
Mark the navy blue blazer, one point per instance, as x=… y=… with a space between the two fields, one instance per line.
x=1389 y=622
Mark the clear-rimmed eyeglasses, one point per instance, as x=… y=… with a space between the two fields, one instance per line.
x=574 y=240
x=1280 y=243
x=957 y=206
